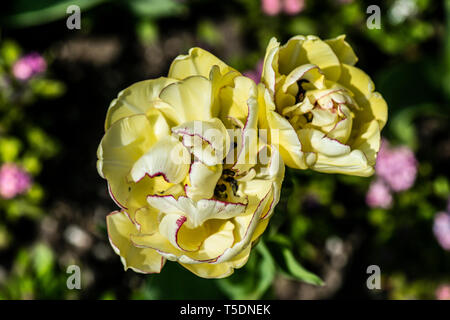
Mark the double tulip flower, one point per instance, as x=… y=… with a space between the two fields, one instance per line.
x=195 y=160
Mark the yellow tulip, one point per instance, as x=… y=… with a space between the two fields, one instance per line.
x=322 y=110
x=183 y=162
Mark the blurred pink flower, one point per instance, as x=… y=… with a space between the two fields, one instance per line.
x=379 y=195
x=13 y=180
x=441 y=229
x=292 y=7
x=271 y=7
x=274 y=7
x=28 y=66
x=443 y=292
x=397 y=166
x=255 y=74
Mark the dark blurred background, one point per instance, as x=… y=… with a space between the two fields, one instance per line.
x=56 y=85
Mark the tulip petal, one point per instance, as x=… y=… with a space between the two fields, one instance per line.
x=191 y=98
x=173 y=227
x=282 y=135
x=136 y=99
x=378 y=108
x=359 y=83
x=197 y=212
x=210 y=270
x=208 y=140
x=270 y=68
x=343 y=50
x=368 y=141
x=300 y=50
x=196 y=62
x=202 y=180
x=309 y=72
x=142 y=260
x=353 y=163
x=316 y=141
x=167 y=158
x=120 y=147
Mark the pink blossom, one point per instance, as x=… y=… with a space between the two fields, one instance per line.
x=28 y=66
x=274 y=7
x=397 y=166
x=441 y=229
x=271 y=7
x=255 y=74
x=443 y=292
x=292 y=7
x=13 y=180
x=379 y=195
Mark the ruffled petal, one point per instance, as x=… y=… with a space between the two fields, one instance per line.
x=142 y=260
x=343 y=50
x=197 y=62
x=120 y=147
x=270 y=67
x=316 y=141
x=359 y=83
x=190 y=98
x=197 y=212
x=208 y=140
x=300 y=50
x=167 y=157
x=136 y=99
x=202 y=180
x=354 y=163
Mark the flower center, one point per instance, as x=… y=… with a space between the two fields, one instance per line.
x=227 y=186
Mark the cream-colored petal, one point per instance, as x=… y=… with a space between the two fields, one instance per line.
x=378 y=109
x=343 y=128
x=137 y=198
x=316 y=141
x=136 y=99
x=353 y=163
x=309 y=72
x=299 y=51
x=197 y=212
x=210 y=270
x=202 y=180
x=368 y=141
x=141 y=260
x=207 y=140
x=146 y=220
x=358 y=82
x=173 y=227
x=283 y=136
x=167 y=157
x=270 y=67
x=197 y=62
x=234 y=99
x=343 y=50
x=123 y=143
x=191 y=98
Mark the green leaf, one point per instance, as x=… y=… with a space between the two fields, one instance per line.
x=154 y=8
x=24 y=13
x=254 y=279
x=296 y=270
x=288 y=264
x=47 y=88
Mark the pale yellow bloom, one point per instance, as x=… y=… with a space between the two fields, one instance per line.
x=322 y=110
x=164 y=155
